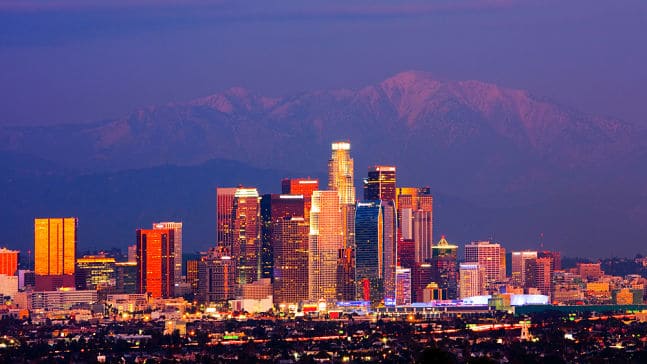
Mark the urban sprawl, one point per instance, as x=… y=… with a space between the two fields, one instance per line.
x=313 y=275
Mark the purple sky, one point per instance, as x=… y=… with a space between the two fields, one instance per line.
x=74 y=61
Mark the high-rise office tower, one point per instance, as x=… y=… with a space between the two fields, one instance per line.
x=177 y=249
x=341 y=173
x=539 y=274
x=275 y=207
x=55 y=252
x=290 y=238
x=376 y=251
x=444 y=266
x=301 y=186
x=488 y=255
x=8 y=261
x=369 y=250
x=126 y=273
x=421 y=276
x=341 y=179
x=519 y=259
x=96 y=273
x=380 y=184
x=555 y=256
x=246 y=244
x=390 y=246
x=472 y=279
x=156 y=262
x=192 y=277
x=224 y=206
x=216 y=276
x=415 y=218
x=403 y=286
x=324 y=243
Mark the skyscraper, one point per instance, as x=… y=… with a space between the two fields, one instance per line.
x=192 y=277
x=403 y=286
x=380 y=184
x=224 y=206
x=415 y=219
x=55 y=252
x=8 y=261
x=444 y=266
x=216 y=276
x=489 y=257
x=126 y=273
x=324 y=243
x=246 y=246
x=340 y=173
x=290 y=238
x=341 y=179
x=275 y=207
x=96 y=272
x=472 y=279
x=177 y=249
x=156 y=262
x=538 y=274
x=376 y=251
x=301 y=186
x=369 y=250
x=519 y=260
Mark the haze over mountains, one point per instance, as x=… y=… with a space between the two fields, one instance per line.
x=501 y=162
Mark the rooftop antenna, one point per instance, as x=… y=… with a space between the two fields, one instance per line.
x=541 y=241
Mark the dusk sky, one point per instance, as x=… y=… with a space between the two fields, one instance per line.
x=70 y=61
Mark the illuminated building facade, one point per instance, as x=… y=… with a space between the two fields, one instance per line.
x=275 y=207
x=192 y=274
x=8 y=261
x=415 y=219
x=403 y=286
x=444 y=267
x=555 y=256
x=290 y=237
x=156 y=262
x=216 y=277
x=341 y=179
x=224 y=207
x=301 y=186
x=341 y=173
x=489 y=257
x=421 y=276
x=55 y=252
x=472 y=279
x=96 y=273
x=376 y=251
x=519 y=259
x=380 y=184
x=246 y=223
x=538 y=274
x=126 y=277
x=324 y=242
x=177 y=249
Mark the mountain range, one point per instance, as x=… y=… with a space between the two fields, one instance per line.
x=503 y=163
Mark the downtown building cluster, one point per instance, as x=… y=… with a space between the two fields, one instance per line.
x=310 y=247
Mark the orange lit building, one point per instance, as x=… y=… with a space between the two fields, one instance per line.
x=55 y=252
x=415 y=219
x=290 y=237
x=8 y=261
x=246 y=223
x=301 y=186
x=155 y=262
x=224 y=207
